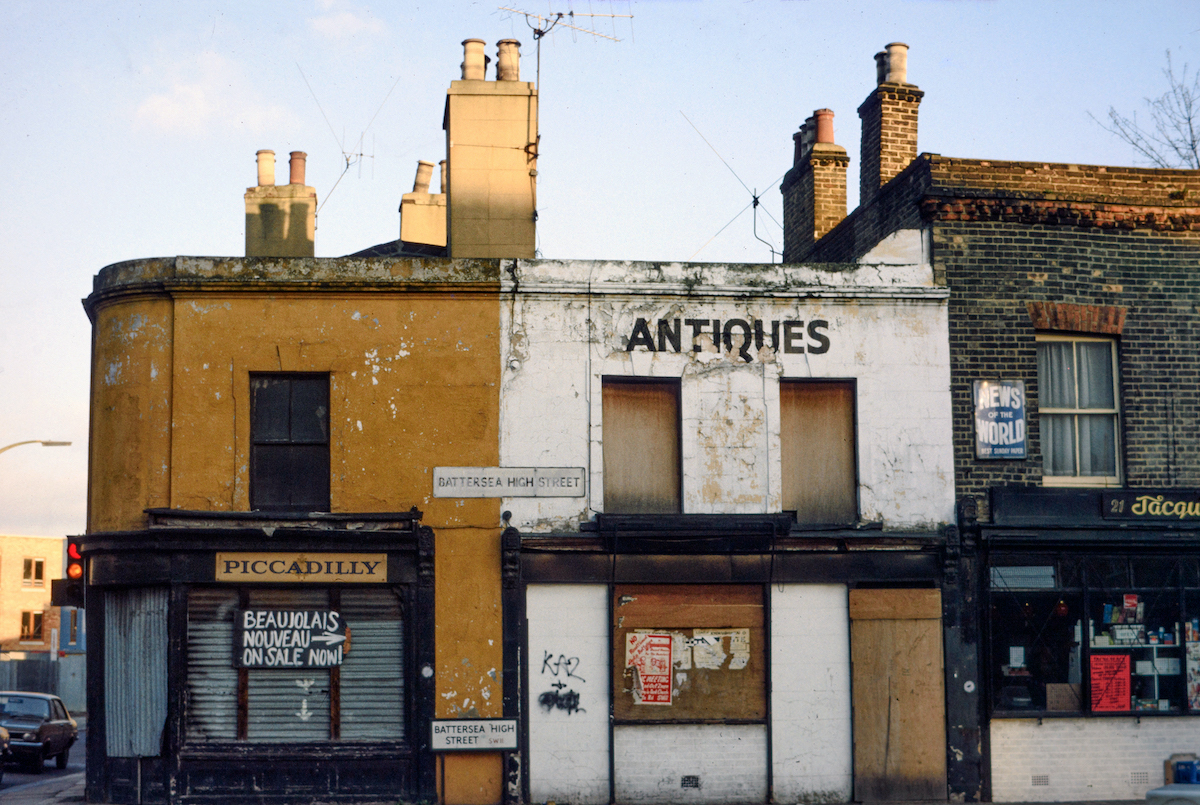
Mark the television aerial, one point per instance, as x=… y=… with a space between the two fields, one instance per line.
x=543 y=25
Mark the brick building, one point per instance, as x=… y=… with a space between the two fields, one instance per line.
x=1073 y=300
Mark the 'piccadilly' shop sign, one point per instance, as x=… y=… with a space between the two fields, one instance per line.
x=474 y=734
x=508 y=482
x=343 y=568
x=284 y=638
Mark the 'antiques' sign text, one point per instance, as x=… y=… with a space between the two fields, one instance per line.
x=353 y=568
x=793 y=335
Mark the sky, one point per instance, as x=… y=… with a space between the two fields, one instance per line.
x=129 y=130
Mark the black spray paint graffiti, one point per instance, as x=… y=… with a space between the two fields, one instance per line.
x=558 y=698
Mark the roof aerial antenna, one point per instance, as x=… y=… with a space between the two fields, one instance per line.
x=355 y=157
x=754 y=199
x=543 y=25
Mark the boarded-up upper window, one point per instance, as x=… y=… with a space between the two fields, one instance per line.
x=289 y=437
x=641 y=446
x=816 y=420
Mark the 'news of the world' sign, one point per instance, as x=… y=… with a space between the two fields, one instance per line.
x=1000 y=419
x=285 y=638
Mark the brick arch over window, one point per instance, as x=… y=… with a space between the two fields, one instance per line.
x=1064 y=317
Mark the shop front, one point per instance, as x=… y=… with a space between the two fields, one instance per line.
x=249 y=655
x=732 y=658
x=1093 y=639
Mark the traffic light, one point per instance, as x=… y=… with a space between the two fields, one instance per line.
x=68 y=592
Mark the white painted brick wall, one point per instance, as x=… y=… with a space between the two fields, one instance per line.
x=1085 y=758
x=568 y=326
x=651 y=761
x=568 y=646
x=810 y=698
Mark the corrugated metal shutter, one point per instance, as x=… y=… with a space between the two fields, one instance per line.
x=135 y=671
x=212 y=679
x=288 y=705
x=372 y=683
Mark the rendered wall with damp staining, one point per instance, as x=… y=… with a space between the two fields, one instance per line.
x=569 y=324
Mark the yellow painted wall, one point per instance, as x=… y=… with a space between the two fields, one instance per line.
x=414 y=384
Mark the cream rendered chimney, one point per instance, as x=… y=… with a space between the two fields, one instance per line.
x=281 y=220
x=423 y=214
x=491 y=154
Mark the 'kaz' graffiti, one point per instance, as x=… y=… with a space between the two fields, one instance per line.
x=791 y=334
x=559 y=697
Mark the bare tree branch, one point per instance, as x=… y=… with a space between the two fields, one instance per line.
x=1172 y=140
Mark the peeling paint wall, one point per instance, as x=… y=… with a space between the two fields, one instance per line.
x=567 y=324
x=129 y=449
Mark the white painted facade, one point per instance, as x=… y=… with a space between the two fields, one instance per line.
x=567 y=325
x=1074 y=759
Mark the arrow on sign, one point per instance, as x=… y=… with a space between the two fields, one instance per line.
x=329 y=638
x=304 y=713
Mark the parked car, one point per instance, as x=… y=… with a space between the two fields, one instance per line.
x=39 y=727
x=3 y=750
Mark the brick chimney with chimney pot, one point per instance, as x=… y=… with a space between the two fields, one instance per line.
x=889 y=123
x=814 y=190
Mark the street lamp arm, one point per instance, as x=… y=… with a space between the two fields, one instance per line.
x=42 y=442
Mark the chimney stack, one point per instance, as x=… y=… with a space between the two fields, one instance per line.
x=814 y=190
x=889 y=122
x=423 y=214
x=281 y=220
x=490 y=184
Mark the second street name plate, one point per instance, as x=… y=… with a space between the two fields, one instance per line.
x=508 y=482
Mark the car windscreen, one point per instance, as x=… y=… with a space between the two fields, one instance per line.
x=24 y=706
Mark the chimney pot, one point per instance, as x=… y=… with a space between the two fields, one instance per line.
x=266 y=168
x=881 y=60
x=296 y=167
x=508 y=60
x=474 y=66
x=897 y=63
x=824 y=125
x=424 y=174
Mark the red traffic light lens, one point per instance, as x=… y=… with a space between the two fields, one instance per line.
x=74 y=570
x=73 y=551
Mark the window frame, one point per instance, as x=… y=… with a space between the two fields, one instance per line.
x=33 y=626
x=1075 y=413
x=848 y=386
x=33 y=572
x=260 y=442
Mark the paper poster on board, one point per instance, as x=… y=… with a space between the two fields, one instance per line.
x=999 y=419
x=1110 y=683
x=649 y=655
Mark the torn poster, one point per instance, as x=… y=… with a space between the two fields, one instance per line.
x=649 y=655
x=708 y=648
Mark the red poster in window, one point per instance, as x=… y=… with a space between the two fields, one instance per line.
x=1110 y=683
x=650 y=656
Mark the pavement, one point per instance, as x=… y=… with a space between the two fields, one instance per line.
x=67 y=788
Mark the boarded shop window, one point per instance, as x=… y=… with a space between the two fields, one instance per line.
x=641 y=446
x=1111 y=634
x=1077 y=410
x=34 y=573
x=816 y=420
x=688 y=653
x=289 y=442
x=360 y=700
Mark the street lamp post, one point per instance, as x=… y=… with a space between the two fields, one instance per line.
x=42 y=442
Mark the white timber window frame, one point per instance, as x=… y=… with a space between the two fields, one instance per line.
x=1079 y=410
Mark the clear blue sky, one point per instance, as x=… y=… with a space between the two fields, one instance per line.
x=129 y=130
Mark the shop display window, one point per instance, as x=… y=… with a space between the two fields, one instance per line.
x=1102 y=635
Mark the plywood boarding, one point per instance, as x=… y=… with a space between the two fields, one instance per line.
x=895 y=604
x=816 y=421
x=730 y=688
x=899 y=702
x=641 y=446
